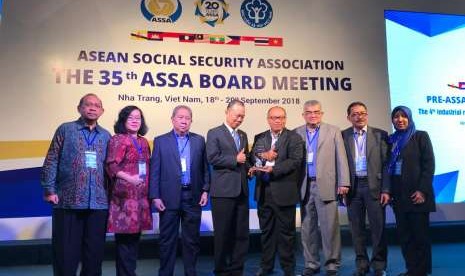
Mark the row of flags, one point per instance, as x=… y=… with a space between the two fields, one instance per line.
x=208 y=38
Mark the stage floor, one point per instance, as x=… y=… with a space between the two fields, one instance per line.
x=448 y=259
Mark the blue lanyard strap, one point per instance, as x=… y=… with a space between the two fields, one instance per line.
x=181 y=151
x=137 y=145
x=89 y=140
x=360 y=146
x=310 y=141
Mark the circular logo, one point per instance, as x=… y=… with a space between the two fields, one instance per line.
x=256 y=13
x=164 y=11
x=212 y=12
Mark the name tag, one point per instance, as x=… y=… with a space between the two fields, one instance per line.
x=183 y=164
x=398 y=168
x=91 y=159
x=310 y=158
x=361 y=164
x=142 y=169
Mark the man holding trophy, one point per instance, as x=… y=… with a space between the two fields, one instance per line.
x=277 y=155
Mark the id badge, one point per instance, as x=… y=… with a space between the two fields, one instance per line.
x=142 y=169
x=310 y=158
x=361 y=164
x=398 y=168
x=183 y=164
x=91 y=159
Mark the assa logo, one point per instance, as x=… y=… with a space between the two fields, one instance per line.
x=161 y=11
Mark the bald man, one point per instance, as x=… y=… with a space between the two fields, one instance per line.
x=74 y=183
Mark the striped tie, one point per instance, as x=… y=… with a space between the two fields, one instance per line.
x=237 y=141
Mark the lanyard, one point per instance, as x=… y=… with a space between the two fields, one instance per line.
x=89 y=141
x=181 y=151
x=137 y=145
x=360 y=146
x=310 y=141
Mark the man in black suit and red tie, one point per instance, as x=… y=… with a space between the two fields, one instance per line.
x=227 y=151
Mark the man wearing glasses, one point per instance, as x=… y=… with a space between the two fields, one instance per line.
x=326 y=175
x=367 y=153
x=278 y=155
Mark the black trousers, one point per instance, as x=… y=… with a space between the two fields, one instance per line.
x=127 y=249
x=231 y=236
x=413 y=232
x=361 y=204
x=277 y=224
x=189 y=215
x=78 y=235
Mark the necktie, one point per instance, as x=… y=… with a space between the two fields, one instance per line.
x=359 y=136
x=274 y=139
x=237 y=140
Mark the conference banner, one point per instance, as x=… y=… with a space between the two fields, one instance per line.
x=156 y=54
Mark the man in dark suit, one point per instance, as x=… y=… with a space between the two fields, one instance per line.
x=367 y=153
x=227 y=150
x=278 y=156
x=179 y=184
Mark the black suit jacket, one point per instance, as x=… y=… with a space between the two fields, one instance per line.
x=416 y=175
x=228 y=177
x=165 y=169
x=285 y=177
x=377 y=152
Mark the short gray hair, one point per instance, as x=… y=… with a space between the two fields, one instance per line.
x=177 y=108
x=311 y=103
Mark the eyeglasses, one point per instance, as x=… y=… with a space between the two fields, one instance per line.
x=275 y=118
x=135 y=119
x=361 y=115
x=316 y=112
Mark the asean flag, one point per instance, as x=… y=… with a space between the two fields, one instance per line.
x=217 y=39
x=186 y=38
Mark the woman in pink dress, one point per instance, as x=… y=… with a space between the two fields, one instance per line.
x=127 y=164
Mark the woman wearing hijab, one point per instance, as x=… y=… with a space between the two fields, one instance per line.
x=127 y=164
x=411 y=168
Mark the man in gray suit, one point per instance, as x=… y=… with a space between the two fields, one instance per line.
x=326 y=176
x=367 y=153
x=227 y=150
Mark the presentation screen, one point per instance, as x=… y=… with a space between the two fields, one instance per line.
x=426 y=73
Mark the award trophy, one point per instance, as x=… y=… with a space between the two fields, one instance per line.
x=259 y=149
